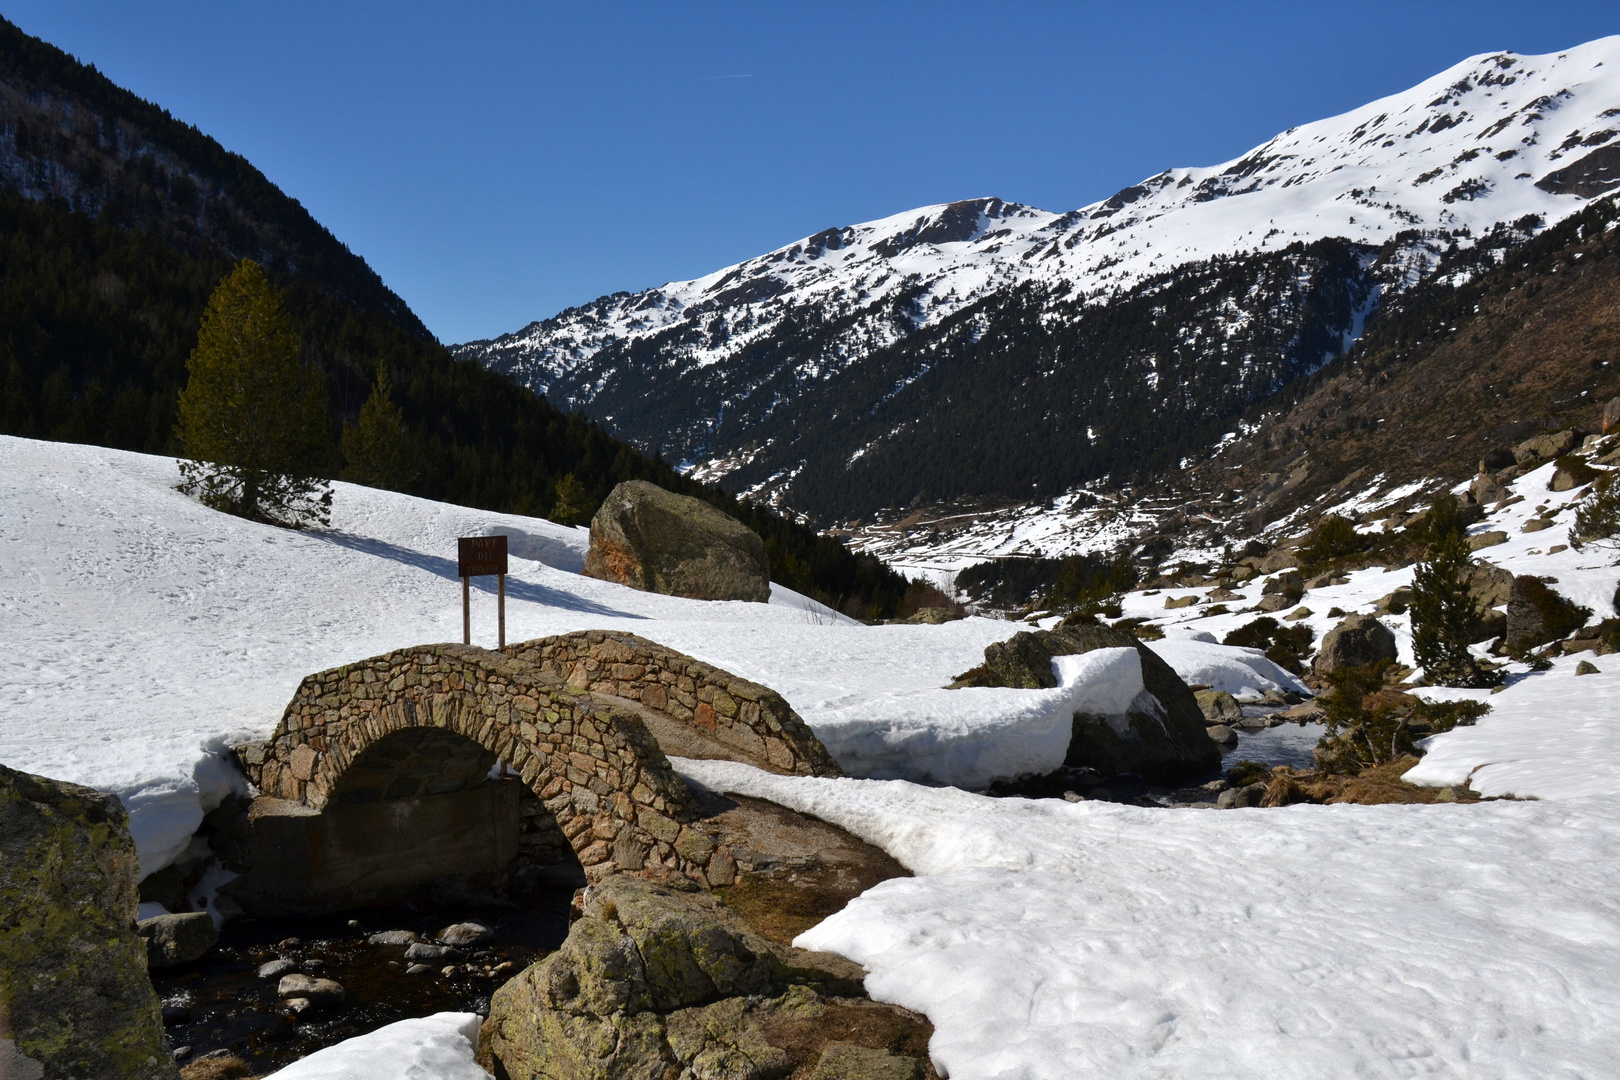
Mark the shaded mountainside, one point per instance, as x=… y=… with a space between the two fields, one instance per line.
x=1449 y=373
x=106 y=275
x=68 y=134
x=930 y=355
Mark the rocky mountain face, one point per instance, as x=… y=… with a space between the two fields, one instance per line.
x=988 y=350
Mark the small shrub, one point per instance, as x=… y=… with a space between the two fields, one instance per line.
x=1289 y=647
x=1447 y=516
x=1446 y=618
x=1244 y=773
x=1334 y=538
x=1368 y=725
x=1597 y=518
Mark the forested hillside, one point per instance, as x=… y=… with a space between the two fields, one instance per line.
x=116 y=224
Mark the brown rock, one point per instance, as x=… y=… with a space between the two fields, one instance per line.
x=1358 y=640
x=657 y=541
x=75 y=999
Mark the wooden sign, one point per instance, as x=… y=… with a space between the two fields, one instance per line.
x=478 y=556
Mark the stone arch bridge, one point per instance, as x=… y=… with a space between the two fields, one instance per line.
x=438 y=760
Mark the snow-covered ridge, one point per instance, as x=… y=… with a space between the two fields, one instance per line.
x=1490 y=140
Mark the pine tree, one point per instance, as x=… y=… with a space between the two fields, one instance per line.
x=378 y=452
x=571 y=507
x=1445 y=616
x=252 y=418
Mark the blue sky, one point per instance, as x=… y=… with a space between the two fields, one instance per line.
x=497 y=162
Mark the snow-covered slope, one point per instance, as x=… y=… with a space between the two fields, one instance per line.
x=1493 y=140
x=145 y=633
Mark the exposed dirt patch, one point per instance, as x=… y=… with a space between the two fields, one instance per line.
x=1372 y=786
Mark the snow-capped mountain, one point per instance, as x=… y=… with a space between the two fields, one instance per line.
x=828 y=334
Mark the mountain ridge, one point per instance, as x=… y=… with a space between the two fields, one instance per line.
x=1411 y=175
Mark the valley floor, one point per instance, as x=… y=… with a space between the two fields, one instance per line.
x=1042 y=938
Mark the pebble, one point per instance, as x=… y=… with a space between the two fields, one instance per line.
x=299 y=1004
x=503 y=967
x=275 y=969
x=318 y=991
x=290 y=943
x=393 y=937
x=422 y=952
x=466 y=933
x=418 y=969
x=448 y=970
x=312 y=967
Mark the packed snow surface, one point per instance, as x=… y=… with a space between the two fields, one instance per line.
x=1047 y=939
x=437 y=1047
x=146 y=633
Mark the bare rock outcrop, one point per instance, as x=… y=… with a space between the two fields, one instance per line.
x=657 y=541
x=75 y=1000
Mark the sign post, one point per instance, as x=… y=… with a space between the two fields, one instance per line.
x=477 y=556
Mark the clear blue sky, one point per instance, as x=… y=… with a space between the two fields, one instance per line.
x=497 y=162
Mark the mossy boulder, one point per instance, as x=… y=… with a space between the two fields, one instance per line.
x=657 y=541
x=75 y=999
x=656 y=982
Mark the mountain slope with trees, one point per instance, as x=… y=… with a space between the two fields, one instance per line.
x=110 y=258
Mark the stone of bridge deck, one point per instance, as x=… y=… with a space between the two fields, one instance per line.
x=426 y=726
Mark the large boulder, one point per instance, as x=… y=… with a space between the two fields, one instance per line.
x=75 y=999
x=1357 y=641
x=1533 y=451
x=657 y=541
x=1164 y=745
x=655 y=982
x=1537 y=614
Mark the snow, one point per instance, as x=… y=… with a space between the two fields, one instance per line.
x=148 y=633
x=1246 y=674
x=437 y=1047
x=1549 y=735
x=1047 y=939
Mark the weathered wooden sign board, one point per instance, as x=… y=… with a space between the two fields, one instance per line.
x=479 y=556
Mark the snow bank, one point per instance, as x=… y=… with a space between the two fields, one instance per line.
x=972 y=737
x=1053 y=940
x=1246 y=674
x=437 y=1047
x=1549 y=735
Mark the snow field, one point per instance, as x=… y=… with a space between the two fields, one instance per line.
x=1053 y=940
x=148 y=633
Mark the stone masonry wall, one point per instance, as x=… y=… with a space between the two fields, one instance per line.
x=743 y=714
x=597 y=769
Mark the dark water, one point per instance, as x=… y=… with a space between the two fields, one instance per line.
x=220 y=1003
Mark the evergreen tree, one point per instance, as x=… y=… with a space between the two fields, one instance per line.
x=1445 y=616
x=252 y=418
x=378 y=452
x=573 y=505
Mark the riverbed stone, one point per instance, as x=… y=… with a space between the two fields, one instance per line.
x=275 y=969
x=393 y=937
x=466 y=933
x=423 y=953
x=175 y=940
x=318 y=991
x=75 y=999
